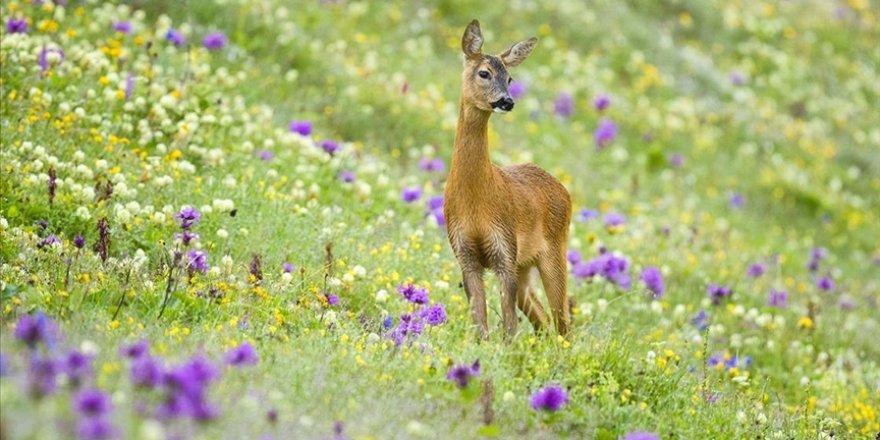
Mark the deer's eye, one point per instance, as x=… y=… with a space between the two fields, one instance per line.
x=484 y=74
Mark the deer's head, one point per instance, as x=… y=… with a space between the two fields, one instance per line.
x=485 y=78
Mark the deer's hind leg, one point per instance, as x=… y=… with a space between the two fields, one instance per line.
x=526 y=299
x=552 y=266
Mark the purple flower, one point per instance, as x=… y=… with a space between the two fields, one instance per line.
x=198 y=261
x=265 y=155
x=439 y=217
x=146 y=372
x=123 y=27
x=717 y=293
x=728 y=361
x=288 y=268
x=243 y=355
x=825 y=283
x=388 y=322
x=77 y=367
x=331 y=298
x=737 y=200
x=188 y=216
x=461 y=375
x=516 y=89
x=346 y=176
x=187 y=385
x=778 y=298
x=701 y=320
x=611 y=267
x=92 y=403
x=411 y=194
x=602 y=102
x=41 y=377
x=214 y=41
x=613 y=219
x=408 y=325
x=756 y=270
x=304 y=128
x=817 y=254
x=605 y=133
x=16 y=26
x=641 y=435
x=587 y=214
x=135 y=351
x=435 y=165
x=550 y=398
x=676 y=160
x=737 y=78
x=564 y=105
x=94 y=428
x=573 y=256
x=79 y=241
x=329 y=146
x=35 y=329
x=48 y=241
x=653 y=279
x=435 y=203
x=175 y=37
x=434 y=314
x=413 y=294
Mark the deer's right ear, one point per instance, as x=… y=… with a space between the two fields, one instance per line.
x=472 y=40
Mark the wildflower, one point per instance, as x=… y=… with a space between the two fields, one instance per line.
x=330 y=147
x=288 y=268
x=129 y=86
x=778 y=298
x=675 y=160
x=564 y=105
x=434 y=314
x=135 y=351
x=243 y=355
x=435 y=165
x=641 y=435
x=411 y=194
x=16 y=26
x=265 y=155
x=435 y=203
x=413 y=294
x=605 y=133
x=516 y=89
x=48 y=241
x=550 y=398
x=573 y=256
x=653 y=279
x=614 y=219
x=95 y=428
x=346 y=176
x=197 y=261
x=737 y=200
x=77 y=367
x=737 y=78
x=214 y=41
x=92 y=403
x=35 y=329
x=123 y=27
x=756 y=270
x=701 y=320
x=188 y=216
x=52 y=184
x=387 y=322
x=816 y=256
x=187 y=237
x=602 y=102
x=587 y=214
x=611 y=267
x=304 y=128
x=256 y=268
x=102 y=246
x=175 y=37
x=187 y=385
x=331 y=298
x=825 y=283
x=717 y=293
x=146 y=372
x=272 y=416
x=461 y=375
x=41 y=376
x=79 y=241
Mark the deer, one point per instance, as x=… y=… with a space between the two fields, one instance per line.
x=510 y=220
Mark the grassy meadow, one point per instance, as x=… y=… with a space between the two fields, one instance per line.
x=223 y=219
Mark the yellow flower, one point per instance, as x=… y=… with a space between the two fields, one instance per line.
x=805 y=322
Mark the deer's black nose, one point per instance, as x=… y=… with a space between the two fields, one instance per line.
x=505 y=104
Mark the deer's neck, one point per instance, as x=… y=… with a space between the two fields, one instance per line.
x=471 y=169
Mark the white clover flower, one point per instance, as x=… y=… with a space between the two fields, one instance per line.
x=159 y=217
x=382 y=296
x=83 y=213
x=222 y=234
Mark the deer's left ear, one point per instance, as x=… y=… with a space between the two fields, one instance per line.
x=518 y=52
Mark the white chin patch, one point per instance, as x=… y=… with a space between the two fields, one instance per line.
x=499 y=110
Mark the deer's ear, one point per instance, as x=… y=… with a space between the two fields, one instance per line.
x=472 y=40
x=518 y=52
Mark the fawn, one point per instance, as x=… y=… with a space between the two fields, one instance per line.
x=507 y=219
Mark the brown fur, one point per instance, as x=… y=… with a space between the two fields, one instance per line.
x=507 y=219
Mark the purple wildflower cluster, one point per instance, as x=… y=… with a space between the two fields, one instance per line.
x=412 y=324
x=435 y=165
x=462 y=374
x=411 y=194
x=605 y=133
x=717 y=293
x=756 y=270
x=816 y=256
x=551 y=398
x=701 y=320
x=196 y=260
x=727 y=361
x=607 y=265
x=435 y=208
x=778 y=298
x=17 y=26
x=653 y=279
x=641 y=435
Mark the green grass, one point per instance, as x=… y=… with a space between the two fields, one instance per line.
x=798 y=140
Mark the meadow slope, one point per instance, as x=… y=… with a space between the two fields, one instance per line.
x=223 y=219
